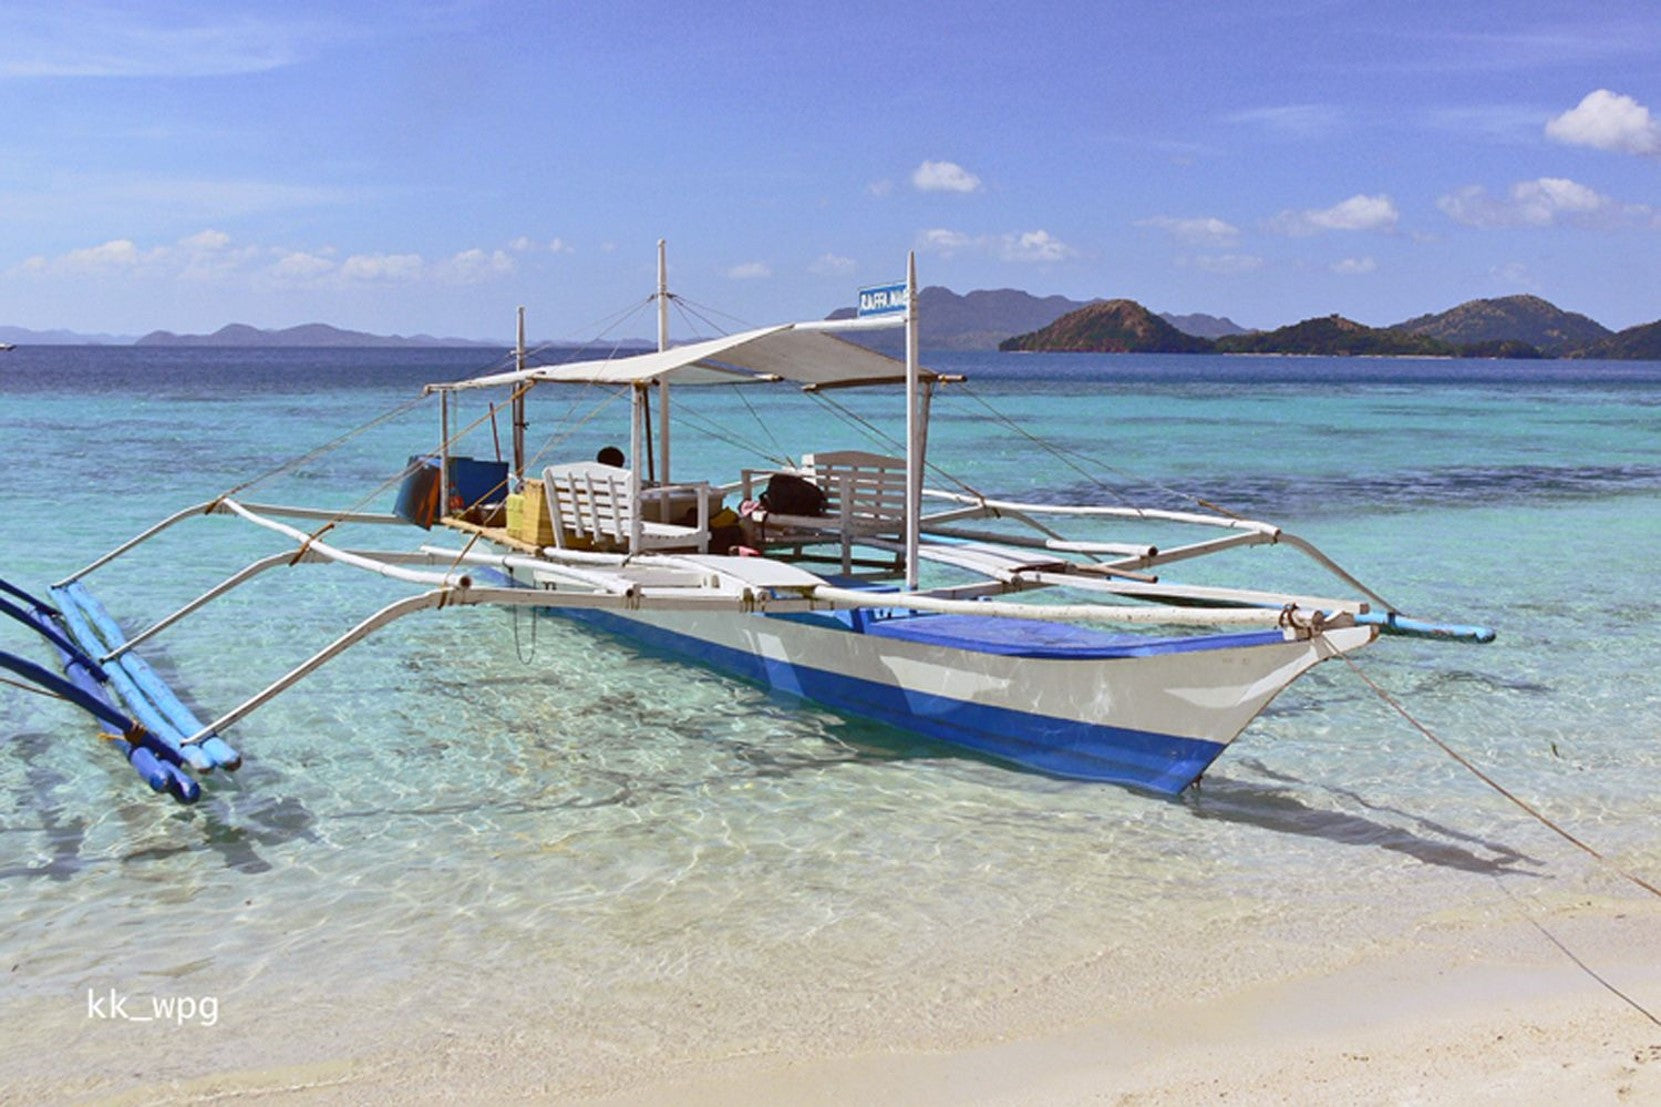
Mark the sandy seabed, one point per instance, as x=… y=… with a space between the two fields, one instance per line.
x=1515 y=1011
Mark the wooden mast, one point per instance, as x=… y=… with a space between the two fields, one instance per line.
x=913 y=428
x=663 y=344
x=518 y=415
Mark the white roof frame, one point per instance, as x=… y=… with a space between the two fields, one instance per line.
x=811 y=354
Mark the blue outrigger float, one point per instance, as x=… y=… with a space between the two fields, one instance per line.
x=831 y=582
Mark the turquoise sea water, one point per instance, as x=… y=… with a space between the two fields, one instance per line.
x=508 y=825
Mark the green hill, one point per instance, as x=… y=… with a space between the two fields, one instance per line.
x=1335 y=336
x=1642 y=343
x=1526 y=319
x=1109 y=327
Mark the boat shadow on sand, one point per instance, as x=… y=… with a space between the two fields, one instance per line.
x=1277 y=805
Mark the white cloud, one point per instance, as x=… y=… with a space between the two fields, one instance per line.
x=943 y=242
x=382 y=267
x=1205 y=231
x=212 y=257
x=206 y=240
x=66 y=40
x=525 y=244
x=1358 y=213
x=1605 y=120
x=943 y=176
x=1354 y=266
x=300 y=267
x=1040 y=246
x=117 y=257
x=1227 y=264
x=880 y=188
x=832 y=265
x=750 y=271
x=118 y=254
x=207 y=256
x=1023 y=246
x=1298 y=121
x=1544 y=202
x=473 y=267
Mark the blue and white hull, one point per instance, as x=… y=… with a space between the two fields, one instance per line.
x=1074 y=702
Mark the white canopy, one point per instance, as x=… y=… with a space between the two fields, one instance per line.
x=810 y=354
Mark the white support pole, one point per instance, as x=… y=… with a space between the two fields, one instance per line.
x=913 y=428
x=637 y=419
x=443 y=454
x=663 y=344
x=518 y=416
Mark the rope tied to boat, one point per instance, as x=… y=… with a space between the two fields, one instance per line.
x=305 y=547
x=1528 y=809
x=1310 y=625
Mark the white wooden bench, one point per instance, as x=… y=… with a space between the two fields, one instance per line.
x=864 y=497
x=591 y=507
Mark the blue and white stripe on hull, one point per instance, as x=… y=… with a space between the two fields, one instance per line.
x=1153 y=717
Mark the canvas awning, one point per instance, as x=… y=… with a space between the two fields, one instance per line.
x=810 y=354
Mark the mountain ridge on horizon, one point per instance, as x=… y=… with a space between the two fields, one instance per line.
x=983 y=318
x=1507 y=327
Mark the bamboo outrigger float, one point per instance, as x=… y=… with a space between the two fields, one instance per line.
x=966 y=618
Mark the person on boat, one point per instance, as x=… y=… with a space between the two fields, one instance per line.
x=612 y=456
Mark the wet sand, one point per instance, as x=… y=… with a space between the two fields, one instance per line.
x=1460 y=1014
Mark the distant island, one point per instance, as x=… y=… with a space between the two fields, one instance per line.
x=1508 y=327
x=982 y=320
x=1009 y=319
x=307 y=334
x=1111 y=326
x=1515 y=319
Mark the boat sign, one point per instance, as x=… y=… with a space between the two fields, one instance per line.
x=882 y=299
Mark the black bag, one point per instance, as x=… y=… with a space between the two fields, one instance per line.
x=791 y=495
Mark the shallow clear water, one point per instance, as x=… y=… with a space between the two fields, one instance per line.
x=490 y=819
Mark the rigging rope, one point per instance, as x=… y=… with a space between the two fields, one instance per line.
x=1567 y=952
x=1543 y=820
x=319 y=451
x=48 y=693
x=1528 y=809
x=891 y=443
x=1073 y=458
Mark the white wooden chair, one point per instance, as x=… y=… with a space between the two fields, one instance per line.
x=591 y=507
x=864 y=497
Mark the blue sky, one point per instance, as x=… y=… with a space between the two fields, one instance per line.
x=426 y=167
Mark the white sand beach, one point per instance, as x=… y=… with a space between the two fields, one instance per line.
x=1460 y=1012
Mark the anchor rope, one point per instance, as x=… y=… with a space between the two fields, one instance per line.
x=1533 y=812
x=518 y=646
x=1570 y=954
x=1541 y=818
x=48 y=693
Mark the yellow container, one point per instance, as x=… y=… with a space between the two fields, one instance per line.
x=528 y=518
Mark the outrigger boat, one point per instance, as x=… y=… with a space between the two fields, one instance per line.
x=845 y=581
